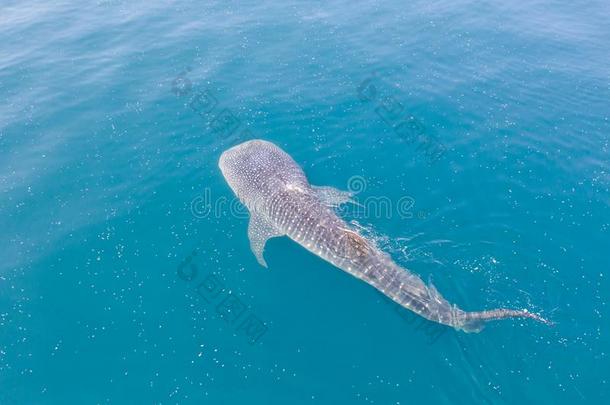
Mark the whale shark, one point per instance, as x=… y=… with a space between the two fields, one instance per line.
x=281 y=202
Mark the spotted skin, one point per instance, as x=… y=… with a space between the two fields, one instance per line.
x=275 y=190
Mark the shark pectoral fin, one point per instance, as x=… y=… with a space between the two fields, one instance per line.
x=259 y=231
x=333 y=197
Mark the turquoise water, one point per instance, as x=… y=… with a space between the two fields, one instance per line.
x=483 y=125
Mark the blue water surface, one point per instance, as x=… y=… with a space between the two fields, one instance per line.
x=479 y=130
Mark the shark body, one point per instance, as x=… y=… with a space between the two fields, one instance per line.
x=281 y=202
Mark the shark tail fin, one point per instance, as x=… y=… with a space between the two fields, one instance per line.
x=475 y=321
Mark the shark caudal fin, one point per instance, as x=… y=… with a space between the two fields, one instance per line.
x=475 y=321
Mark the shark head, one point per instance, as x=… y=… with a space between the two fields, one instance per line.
x=256 y=168
x=243 y=165
x=234 y=160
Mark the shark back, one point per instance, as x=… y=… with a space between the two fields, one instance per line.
x=279 y=198
x=282 y=202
